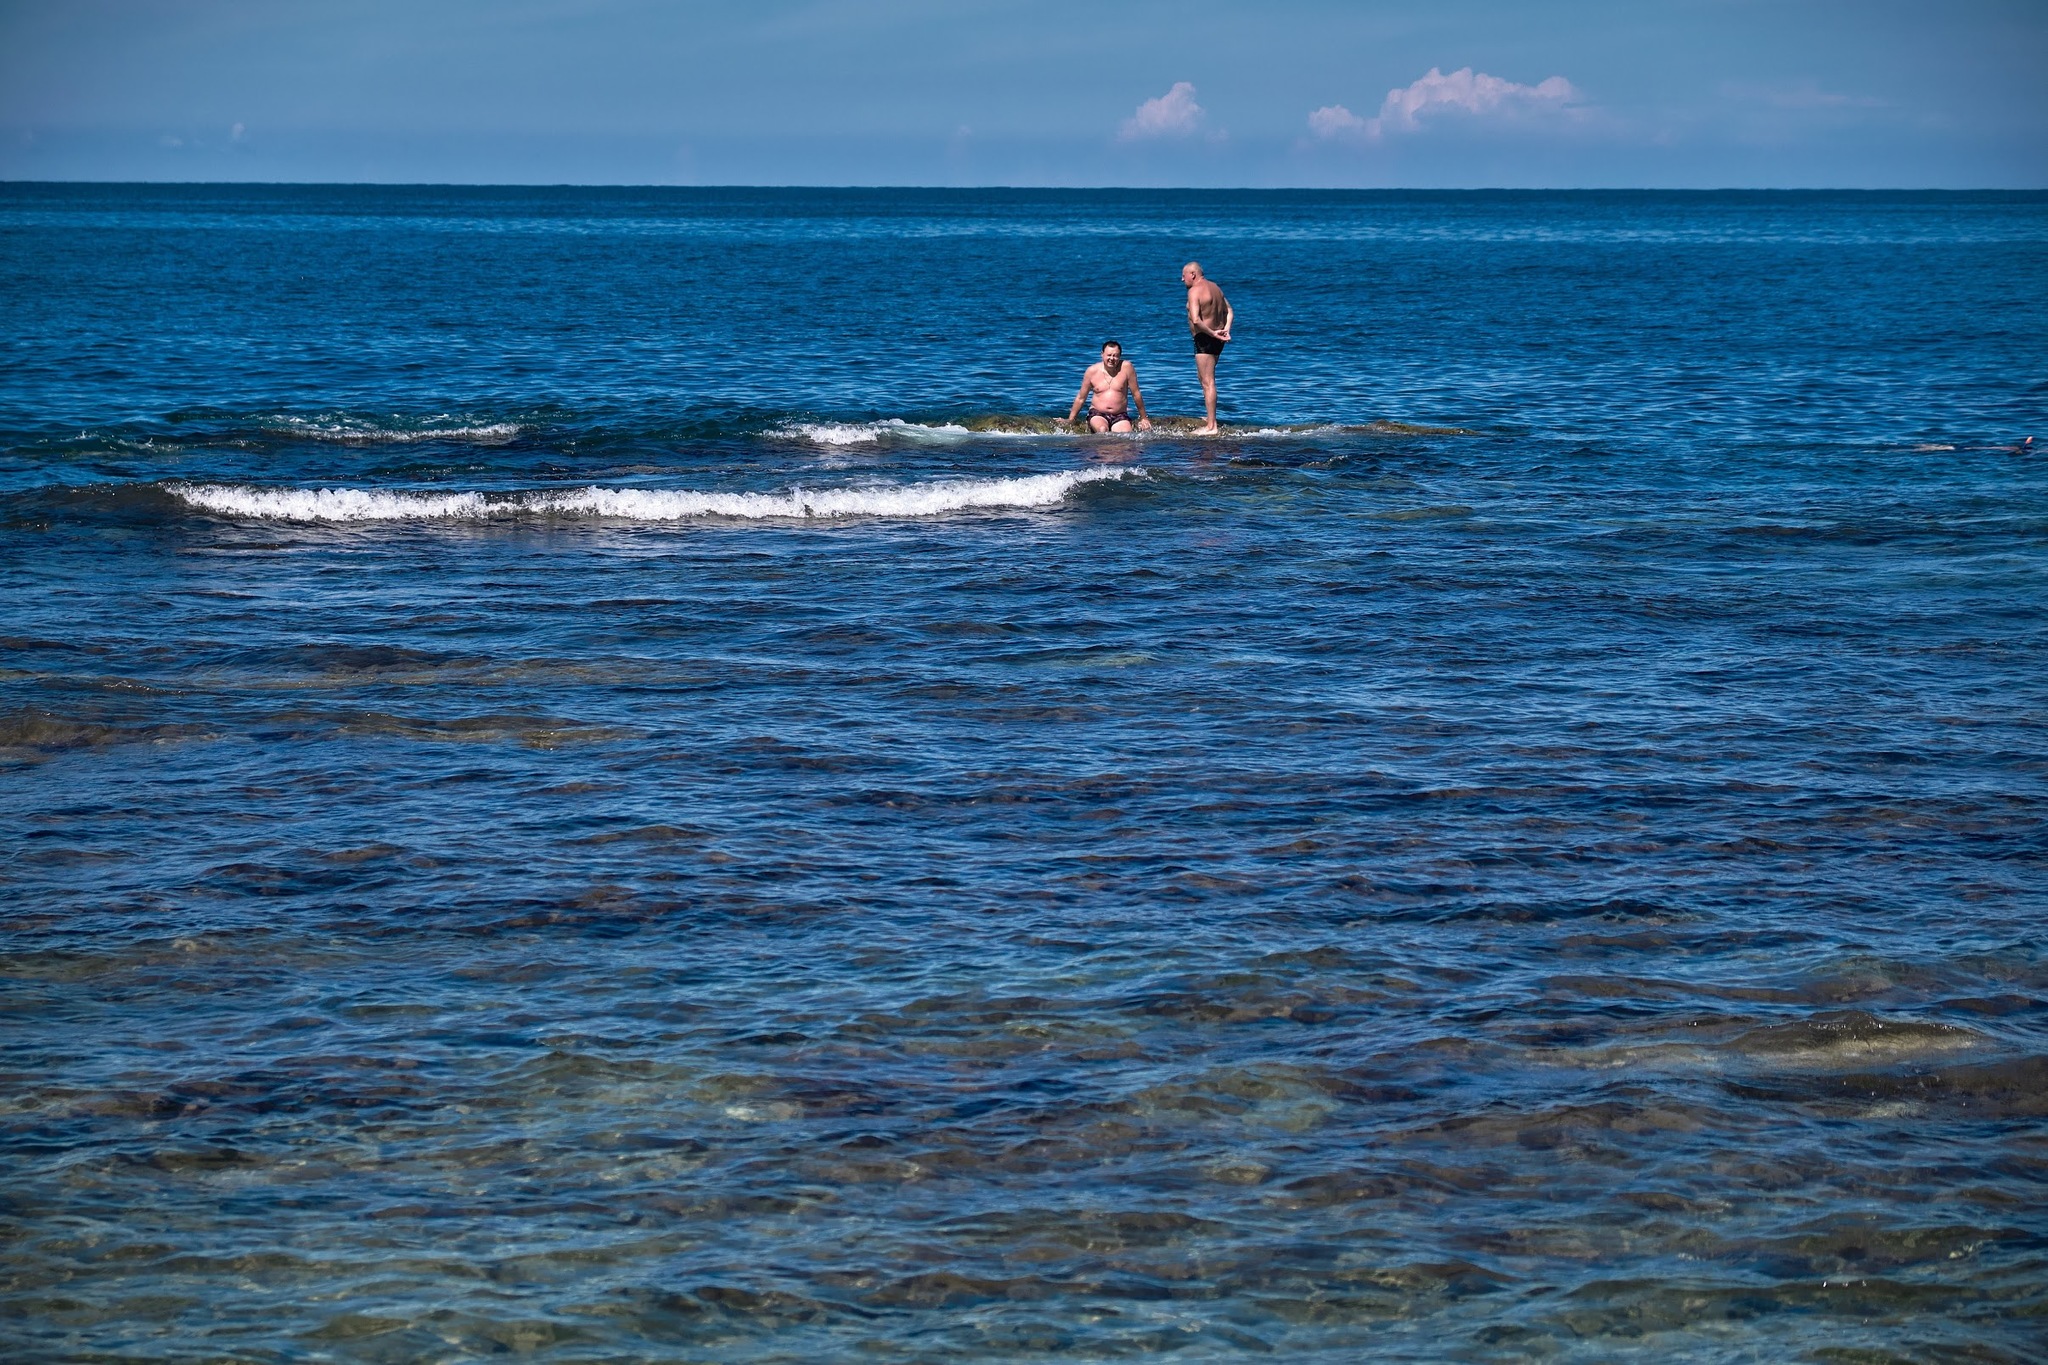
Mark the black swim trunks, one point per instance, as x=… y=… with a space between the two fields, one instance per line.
x=1207 y=345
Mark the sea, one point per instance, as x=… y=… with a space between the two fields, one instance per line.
x=590 y=775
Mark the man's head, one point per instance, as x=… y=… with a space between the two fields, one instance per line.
x=1112 y=355
x=1190 y=273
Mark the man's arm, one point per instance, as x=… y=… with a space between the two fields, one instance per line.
x=1195 y=322
x=1082 y=396
x=1144 y=422
x=1229 y=317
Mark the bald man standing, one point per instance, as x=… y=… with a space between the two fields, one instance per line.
x=1209 y=318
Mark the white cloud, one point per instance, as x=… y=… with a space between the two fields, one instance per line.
x=1334 y=120
x=1173 y=114
x=1463 y=91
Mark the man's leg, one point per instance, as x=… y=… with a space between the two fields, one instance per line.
x=1098 y=424
x=1205 y=366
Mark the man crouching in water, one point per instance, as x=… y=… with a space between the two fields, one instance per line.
x=1114 y=383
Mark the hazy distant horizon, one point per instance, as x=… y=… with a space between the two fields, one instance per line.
x=1959 y=191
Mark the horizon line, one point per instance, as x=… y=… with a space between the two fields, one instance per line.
x=1068 y=189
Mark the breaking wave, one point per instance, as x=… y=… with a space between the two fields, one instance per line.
x=873 y=433
x=532 y=429
x=638 y=504
x=350 y=431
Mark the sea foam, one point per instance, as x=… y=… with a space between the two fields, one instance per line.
x=638 y=504
x=347 y=432
x=873 y=433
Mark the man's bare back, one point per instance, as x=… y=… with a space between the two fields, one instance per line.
x=1109 y=386
x=1209 y=321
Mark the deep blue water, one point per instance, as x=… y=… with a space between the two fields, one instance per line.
x=583 y=774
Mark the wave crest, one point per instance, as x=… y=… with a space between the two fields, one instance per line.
x=639 y=504
x=893 y=429
x=348 y=431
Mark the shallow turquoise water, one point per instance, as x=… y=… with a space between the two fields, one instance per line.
x=583 y=777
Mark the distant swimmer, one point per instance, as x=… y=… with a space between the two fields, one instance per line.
x=1209 y=318
x=1114 y=383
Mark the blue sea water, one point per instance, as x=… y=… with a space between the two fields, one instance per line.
x=584 y=774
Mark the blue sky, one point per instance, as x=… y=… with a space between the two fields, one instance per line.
x=1879 y=93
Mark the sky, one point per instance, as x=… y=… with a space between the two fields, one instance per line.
x=1313 y=93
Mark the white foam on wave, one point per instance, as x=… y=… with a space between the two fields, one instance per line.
x=362 y=433
x=872 y=433
x=330 y=504
x=640 y=504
